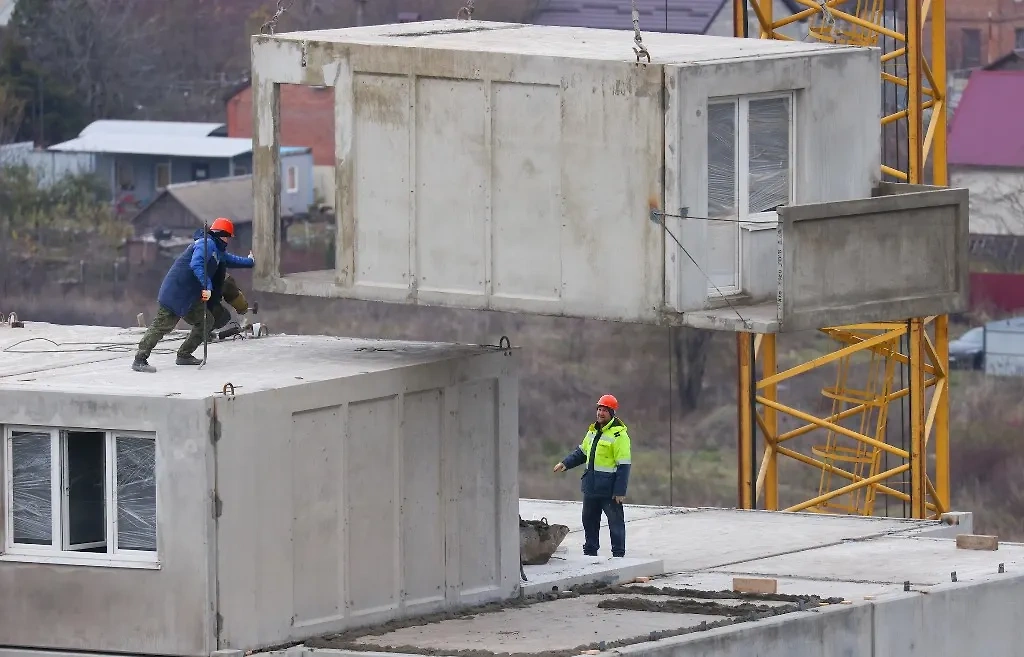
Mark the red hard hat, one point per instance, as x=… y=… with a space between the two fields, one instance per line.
x=224 y=225
x=609 y=402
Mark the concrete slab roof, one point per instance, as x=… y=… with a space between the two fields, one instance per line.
x=848 y=571
x=808 y=553
x=97 y=360
x=560 y=41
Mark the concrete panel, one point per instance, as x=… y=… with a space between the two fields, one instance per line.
x=317 y=457
x=477 y=447
x=423 y=529
x=450 y=255
x=371 y=480
x=895 y=256
x=367 y=498
x=382 y=152
x=164 y=609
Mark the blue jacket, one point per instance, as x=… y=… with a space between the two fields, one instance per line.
x=187 y=278
x=607 y=454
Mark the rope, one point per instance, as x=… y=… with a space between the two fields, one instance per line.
x=639 y=48
x=659 y=218
x=86 y=347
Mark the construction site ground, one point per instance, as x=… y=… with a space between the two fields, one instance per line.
x=845 y=586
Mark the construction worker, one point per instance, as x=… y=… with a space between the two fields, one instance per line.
x=606 y=452
x=193 y=279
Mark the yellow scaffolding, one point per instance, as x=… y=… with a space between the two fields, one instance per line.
x=856 y=463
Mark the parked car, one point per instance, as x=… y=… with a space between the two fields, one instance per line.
x=968 y=351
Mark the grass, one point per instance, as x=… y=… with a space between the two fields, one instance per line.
x=567 y=363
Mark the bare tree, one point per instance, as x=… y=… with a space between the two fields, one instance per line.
x=12 y=113
x=691 y=347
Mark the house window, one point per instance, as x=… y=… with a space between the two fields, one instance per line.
x=124 y=175
x=79 y=496
x=163 y=175
x=293 y=180
x=750 y=174
x=971 y=48
x=1018 y=38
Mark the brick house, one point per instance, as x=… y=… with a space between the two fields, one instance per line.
x=307 y=119
x=978 y=32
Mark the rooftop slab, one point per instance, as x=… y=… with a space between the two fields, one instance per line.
x=555 y=41
x=97 y=360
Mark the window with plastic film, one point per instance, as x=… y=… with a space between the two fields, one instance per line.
x=80 y=496
x=723 y=229
x=750 y=174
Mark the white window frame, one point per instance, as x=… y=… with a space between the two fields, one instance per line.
x=758 y=220
x=56 y=553
x=156 y=174
x=291 y=189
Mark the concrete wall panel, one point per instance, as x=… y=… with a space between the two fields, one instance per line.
x=371 y=481
x=423 y=530
x=165 y=611
x=885 y=258
x=366 y=520
x=477 y=452
x=317 y=458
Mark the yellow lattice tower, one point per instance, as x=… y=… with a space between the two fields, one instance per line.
x=850 y=459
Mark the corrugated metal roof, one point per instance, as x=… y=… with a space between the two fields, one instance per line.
x=687 y=17
x=986 y=129
x=154 y=128
x=144 y=144
x=221 y=197
x=209 y=199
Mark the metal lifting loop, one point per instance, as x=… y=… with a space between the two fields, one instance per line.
x=228 y=387
x=466 y=13
x=639 y=48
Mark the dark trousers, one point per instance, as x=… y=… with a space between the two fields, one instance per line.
x=165 y=321
x=593 y=507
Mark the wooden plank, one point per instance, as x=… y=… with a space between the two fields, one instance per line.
x=754 y=585
x=977 y=542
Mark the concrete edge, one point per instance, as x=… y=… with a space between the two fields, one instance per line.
x=610 y=573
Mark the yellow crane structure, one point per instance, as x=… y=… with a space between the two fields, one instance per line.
x=859 y=459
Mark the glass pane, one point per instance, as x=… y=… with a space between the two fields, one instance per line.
x=723 y=236
x=31 y=463
x=86 y=453
x=769 y=154
x=722 y=160
x=136 y=493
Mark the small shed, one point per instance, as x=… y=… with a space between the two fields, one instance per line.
x=293 y=486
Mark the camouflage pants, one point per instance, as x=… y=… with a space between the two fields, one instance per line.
x=165 y=321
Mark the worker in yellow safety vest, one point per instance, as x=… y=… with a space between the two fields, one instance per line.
x=606 y=452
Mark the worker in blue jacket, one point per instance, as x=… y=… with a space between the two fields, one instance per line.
x=607 y=454
x=194 y=278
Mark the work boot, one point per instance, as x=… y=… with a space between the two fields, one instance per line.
x=187 y=360
x=142 y=365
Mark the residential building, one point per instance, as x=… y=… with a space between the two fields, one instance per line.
x=711 y=17
x=142 y=158
x=307 y=119
x=986 y=155
x=978 y=32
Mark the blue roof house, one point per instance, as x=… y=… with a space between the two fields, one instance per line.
x=141 y=158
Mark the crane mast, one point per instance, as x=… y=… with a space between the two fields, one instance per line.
x=883 y=370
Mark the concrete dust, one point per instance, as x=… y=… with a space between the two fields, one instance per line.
x=743 y=608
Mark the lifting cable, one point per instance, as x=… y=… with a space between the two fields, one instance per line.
x=466 y=12
x=639 y=48
x=271 y=25
x=659 y=218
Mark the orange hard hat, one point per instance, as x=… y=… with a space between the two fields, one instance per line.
x=224 y=225
x=608 y=401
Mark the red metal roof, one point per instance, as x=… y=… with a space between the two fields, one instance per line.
x=988 y=127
